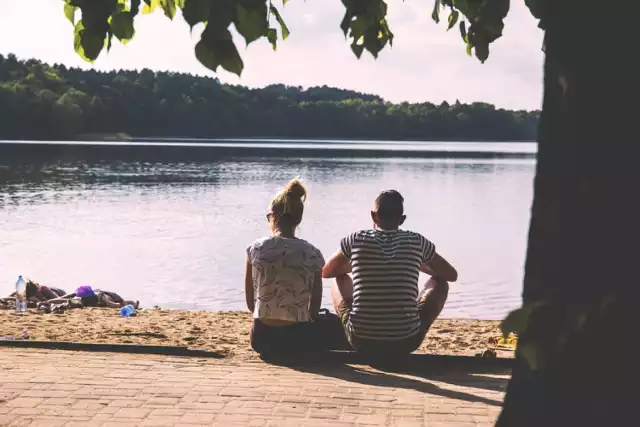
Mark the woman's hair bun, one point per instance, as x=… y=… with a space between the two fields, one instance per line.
x=296 y=190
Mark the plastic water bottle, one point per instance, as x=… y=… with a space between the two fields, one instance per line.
x=127 y=310
x=21 y=295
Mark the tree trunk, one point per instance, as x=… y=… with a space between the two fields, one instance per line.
x=584 y=232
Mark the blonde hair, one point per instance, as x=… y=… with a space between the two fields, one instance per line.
x=287 y=206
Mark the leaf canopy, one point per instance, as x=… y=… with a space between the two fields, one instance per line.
x=364 y=24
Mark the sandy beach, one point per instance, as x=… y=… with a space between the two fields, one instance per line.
x=226 y=333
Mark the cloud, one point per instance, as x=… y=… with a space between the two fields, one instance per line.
x=426 y=63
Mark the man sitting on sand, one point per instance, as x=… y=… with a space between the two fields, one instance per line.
x=380 y=308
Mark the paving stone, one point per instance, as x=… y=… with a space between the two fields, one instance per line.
x=47 y=388
x=24 y=402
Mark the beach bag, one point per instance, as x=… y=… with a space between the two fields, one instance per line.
x=329 y=331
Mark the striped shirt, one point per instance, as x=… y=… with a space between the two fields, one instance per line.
x=386 y=267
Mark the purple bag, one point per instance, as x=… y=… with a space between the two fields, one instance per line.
x=85 y=292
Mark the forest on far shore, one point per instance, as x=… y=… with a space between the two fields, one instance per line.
x=52 y=102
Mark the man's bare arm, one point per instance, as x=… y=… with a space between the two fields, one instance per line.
x=440 y=267
x=337 y=265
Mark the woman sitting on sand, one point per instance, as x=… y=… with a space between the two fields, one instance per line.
x=85 y=296
x=35 y=293
x=283 y=283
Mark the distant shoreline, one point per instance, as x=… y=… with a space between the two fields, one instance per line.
x=124 y=137
x=57 y=102
x=311 y=140
x=168 y=150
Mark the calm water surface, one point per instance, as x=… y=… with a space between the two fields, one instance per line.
x=174 y=234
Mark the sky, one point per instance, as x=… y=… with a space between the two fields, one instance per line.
x=425 y=64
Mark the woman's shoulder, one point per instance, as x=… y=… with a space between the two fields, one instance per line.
x=310 y=248
x=261 y=241
x=262 y=244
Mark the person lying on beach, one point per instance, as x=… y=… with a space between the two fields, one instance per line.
x=85 y=296
x=283 y=283
x=381 y=309
x=35 y=293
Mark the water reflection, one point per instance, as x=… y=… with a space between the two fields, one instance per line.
x=174 y=233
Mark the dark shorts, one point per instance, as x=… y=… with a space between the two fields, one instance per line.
x=296 y=338
x=404 y=346
x=324 y=333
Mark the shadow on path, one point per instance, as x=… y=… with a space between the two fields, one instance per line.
x=392 y=376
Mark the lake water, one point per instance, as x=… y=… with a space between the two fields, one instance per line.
x=174 y=233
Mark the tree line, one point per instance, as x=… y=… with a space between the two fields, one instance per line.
x=53 y=102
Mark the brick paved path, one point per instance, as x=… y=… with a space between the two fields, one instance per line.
x=59 y=388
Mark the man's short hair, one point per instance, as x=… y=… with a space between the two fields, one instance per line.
x=389 y=205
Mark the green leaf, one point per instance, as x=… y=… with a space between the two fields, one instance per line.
x=498 y=9
x=534 y=7
x=251 y=24
x=472 y=9
x=272 y=36
x=122 y=26
x=435 y=15
x=372 y=42
x=463 y=31
x=217 y=49
x=196 y=11
x=453 y=18
x=482 y=51
x=359 y=26
x=357 y=49
x=516 y=322
x=283 y=27
x=70 y=13
x=108 y=41
x=88 y=43
x=150 y=6
x=346 y=23
x=135 y=7
x=121 y=6
x=169 y=7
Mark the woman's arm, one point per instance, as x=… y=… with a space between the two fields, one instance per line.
x=248 y=286
x=316 y=296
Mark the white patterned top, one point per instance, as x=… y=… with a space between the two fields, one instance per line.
x=283 y=274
